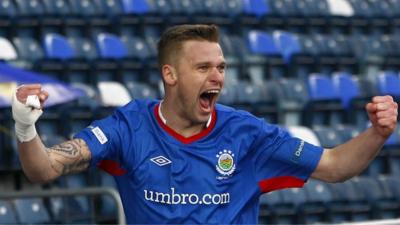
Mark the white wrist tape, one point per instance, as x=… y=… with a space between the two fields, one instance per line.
x=25 y=116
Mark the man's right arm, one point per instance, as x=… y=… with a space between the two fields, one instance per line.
x=42 y=164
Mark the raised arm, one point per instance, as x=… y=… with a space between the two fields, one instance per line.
x=42 y=164
x=351 y=158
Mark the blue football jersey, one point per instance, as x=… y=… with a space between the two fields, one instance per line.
x=213 y=177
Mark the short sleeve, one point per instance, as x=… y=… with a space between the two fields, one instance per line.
x=282 y=161
x=103 y=138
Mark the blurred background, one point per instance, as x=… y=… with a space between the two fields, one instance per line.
x=309 y=66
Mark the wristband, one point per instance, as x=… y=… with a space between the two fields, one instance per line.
x=25 y=116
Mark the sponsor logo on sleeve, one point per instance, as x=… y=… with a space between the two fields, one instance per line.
x=298 y=151
x=101 y=137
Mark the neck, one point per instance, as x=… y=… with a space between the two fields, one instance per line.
x=177 y=121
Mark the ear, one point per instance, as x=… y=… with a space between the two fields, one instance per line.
x=169 y=74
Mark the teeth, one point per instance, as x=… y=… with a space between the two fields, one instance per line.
x=212 y=92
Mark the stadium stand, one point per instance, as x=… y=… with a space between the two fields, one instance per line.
x=308 y=65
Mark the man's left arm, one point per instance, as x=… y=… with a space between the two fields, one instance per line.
x=351 y=158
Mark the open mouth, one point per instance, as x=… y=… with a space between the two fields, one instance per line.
x=208 y=98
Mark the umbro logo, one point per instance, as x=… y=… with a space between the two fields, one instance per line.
x=160 y=160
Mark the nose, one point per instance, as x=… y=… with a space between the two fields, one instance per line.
x=216 y=76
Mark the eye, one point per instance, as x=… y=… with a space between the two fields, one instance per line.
x=221 y=68
x=203 y=68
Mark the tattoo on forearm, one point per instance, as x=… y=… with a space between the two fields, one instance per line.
x=69 y=157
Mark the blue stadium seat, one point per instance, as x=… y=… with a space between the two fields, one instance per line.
x=324 y=107
x=262 y=43
x=31 y=211
x=7 y=213
x=288 y=44
x=352 y=98
x=135 y=6
x=388 y=83
x=265 y=57
x=259 y=8
x=110 y=46
x=57 y=46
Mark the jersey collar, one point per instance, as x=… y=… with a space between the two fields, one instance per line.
x=186 y=140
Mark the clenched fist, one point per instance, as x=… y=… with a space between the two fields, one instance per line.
x=382 y=113
x=26 y=109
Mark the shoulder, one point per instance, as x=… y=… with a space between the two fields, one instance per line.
x=247 y=122
x=229 y=114
x=135 y=111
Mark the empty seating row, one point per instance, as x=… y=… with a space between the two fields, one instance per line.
x=79 y=209
x=340 y=14
x=359 y=199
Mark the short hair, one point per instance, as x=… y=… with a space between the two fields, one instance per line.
x=172 y=40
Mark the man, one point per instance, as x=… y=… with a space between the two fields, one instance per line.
x=187 y=159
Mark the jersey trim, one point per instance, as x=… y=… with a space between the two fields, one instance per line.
x=185 y=140
x=111 y=167
x=276 y=183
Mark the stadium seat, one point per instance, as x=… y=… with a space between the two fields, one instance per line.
x=137 y=49
x=305 y=134
x=288 y=44
x=383 y=207
x=327 y=136
x=257 y=8
x=8 y=51
x=109 y=89
x=56 y=7
x=7 y=213
x=112 y=54
x=141 y=91
x=350 y=203
x=57 y=46
x=108 y=209
x=352 y=97
x=388 y=83
x=110 y=8
x=7 y=9
x=274 y=211
x=319 y=197
x=31 y=211
x=28 y=49
x=110 y=46
x=228 y=94
x=324 y=106
x=293 y=100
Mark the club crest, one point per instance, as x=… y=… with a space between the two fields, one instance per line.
x=225 y=164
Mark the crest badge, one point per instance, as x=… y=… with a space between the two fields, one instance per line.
x=225 y=163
